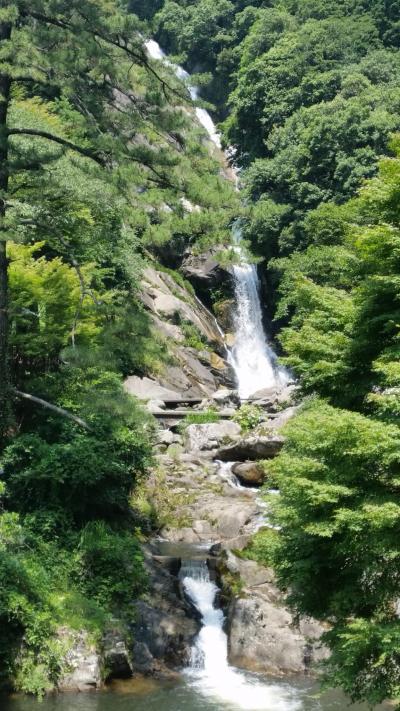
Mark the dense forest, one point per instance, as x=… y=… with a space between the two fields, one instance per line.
x=98 y=152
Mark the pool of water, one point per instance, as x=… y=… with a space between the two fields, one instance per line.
x=149 y=695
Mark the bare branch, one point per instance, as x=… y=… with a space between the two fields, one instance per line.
x=53 y=408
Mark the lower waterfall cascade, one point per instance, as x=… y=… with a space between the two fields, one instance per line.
x=253 y=360
x=209 y=669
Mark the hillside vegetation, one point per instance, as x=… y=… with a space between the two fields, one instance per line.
x=97 y=149
x=99 y=155
x=312 y=91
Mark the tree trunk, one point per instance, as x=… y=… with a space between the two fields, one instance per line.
x=5 y=392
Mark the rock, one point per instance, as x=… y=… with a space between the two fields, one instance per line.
x=216 y=362
x=231 y=521
x=82 y=660
x=209 y=436
x=251 y=573
x=154 y=406
x=274 y=398
x=164 y=627
x=204 y=272
x=147 y=389
x=226 y=397
x=116 y=656
x=202 y=527
x=166 y=437
x=224 y=311
x=263 y=636
x=251 y=448
x=249 y=473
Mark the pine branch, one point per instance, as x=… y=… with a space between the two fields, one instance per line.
x=138 y=57
x=53 y=408
x=86 y=152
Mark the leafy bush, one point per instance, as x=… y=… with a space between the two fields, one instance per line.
x=111 y=565
x=248 y=417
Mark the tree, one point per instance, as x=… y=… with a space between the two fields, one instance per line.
x=81 y=54
x=337 y=552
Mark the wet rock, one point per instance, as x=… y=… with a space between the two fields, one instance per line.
x=164 y=627
x=83 y=662
x=116 y=655
x=249 y=473
x=209 y=436
x=251 y=448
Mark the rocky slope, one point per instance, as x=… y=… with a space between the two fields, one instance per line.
x=202 y=498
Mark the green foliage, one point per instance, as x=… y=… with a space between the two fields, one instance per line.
x=248 y=416
x=339 y=515
x=262 y=547
x=111 y=564
x=199 y=418
x=193 y=337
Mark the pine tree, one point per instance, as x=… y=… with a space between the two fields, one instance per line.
x=90 y=56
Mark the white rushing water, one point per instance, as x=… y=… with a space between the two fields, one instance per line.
x=251 y=357
x=210 y=671
x=204 y=118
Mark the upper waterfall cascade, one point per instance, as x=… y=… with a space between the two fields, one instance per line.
x=210 y=671
x=253 y=360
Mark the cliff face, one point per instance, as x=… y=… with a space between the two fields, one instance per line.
x=197 y=362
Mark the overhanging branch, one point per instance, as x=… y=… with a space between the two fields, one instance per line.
x=53 y=408
x=86 y=152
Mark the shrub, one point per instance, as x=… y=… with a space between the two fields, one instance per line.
x=248 y=417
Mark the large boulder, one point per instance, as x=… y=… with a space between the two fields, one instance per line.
x=251 y=449
x=263 y=635
x=148 y=389
x=204 y=272
x=250 y=473
x=273 y=399
x=209 y=436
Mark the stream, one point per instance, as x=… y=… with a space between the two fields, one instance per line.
x=210 y=683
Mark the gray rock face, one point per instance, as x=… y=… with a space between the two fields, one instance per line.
x=251 y=448
x=249 y=473
x=83 y=663
x=148 y=389
x=263 y=635
x=209 y=436
x=164 y=626
x=203 y=267
x=116 y=655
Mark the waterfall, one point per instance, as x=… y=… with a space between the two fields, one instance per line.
x=209 y=670
x=253 y=360
x=204 y=118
